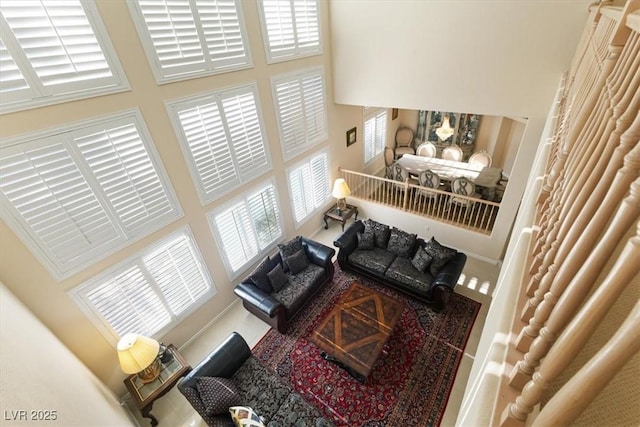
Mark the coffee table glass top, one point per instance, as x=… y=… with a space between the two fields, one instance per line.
x=358 y=327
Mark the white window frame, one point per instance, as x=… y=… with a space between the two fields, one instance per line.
x=376 y=114
x=80 y=294
x=297 y=47
x=191 y=69
x=310 y=127
x=261 y=251
x=316 y=201
x=38 y=95
x=240 y=175
x=67 y=137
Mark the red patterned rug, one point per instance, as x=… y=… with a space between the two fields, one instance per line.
x=409 y=384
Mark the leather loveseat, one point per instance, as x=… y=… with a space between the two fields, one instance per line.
x=278 y=305
x=247 y=383
x=391 y=257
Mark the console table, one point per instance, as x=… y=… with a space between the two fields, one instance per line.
x=145 y=394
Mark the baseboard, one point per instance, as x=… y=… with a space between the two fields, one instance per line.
x=209 y=324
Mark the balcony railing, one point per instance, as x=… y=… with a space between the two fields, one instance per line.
x=471 y=213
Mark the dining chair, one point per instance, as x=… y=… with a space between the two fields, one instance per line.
x=431 y=180
x=388 y=161
x=426 y=149
x=463 y=187
x=482 y=158
x=401 y=175
x=452 y=152
x=404 y=142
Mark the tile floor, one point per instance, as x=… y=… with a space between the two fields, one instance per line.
x=173 y=410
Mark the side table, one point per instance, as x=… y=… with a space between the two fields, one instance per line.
x=340 y=215
x=145 y=394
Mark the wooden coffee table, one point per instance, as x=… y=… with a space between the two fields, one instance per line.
x=355 y=331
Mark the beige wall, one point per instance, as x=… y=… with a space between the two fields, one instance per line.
x=46 y=298
x=40 y=374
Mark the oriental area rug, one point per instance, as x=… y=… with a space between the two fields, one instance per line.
x=410 y=382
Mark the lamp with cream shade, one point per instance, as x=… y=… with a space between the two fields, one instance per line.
x=139 y=355
x=341 y=191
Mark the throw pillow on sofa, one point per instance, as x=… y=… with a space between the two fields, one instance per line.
x=259 y=275
x=421 y=259
x=297 y=262
x=277 y=277
x=380 y=231
x=440 y=254
x=366 y=241
x=290 y=248
x=401 y=243
x=217 y=394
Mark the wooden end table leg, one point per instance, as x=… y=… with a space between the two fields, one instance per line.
x=326 y=224
x=146 y=413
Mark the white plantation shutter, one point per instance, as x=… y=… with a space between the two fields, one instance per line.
x=309 y=186
x=247 y=227
x=301 y=110
x=151 y=292
x=291 y=28
x=190 y=38
x=78 y=195
x=375 y=131
x=58 y=49
x=222 y=137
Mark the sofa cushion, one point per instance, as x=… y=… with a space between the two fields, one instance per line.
x=295 y=294
x=296 y=262
x=376 y=260
x=380 y=231
x=217 y=394
x=421 y=259
x=287 y=249
x=403 y=271
x=277 y=277
x=244 y=416
x=259 y=275
x=401 y=243
x=366 y=240
x=440 y=254
x=295 y=411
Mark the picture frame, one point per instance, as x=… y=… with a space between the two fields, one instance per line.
x=394 y=113
x=351 y=136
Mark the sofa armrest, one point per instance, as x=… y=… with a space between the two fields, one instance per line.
x=258 y=298
x=449 y=274
x=348 y=240
x=318 y=253
x=223 y=361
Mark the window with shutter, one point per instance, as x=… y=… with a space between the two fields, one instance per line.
x=151 y=292
x=247 y=227
x=291 y=29
x=77 y=194
x=54 y=51
x=185 y=39
x=375 y=131
x=221 y=135
x=309 y=185
x=301 y=110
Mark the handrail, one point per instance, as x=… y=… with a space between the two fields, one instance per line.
x=468 y=212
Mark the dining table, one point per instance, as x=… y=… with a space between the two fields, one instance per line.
x=448 y=170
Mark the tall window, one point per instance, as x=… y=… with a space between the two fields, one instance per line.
x=247 y=227
x=309 y=185
x=77 y=194
x=54 y=51
x=222 y=137
x=151 y=292
x=184 y=39
x=375 y=131
x=301 y=110
x=291 y=28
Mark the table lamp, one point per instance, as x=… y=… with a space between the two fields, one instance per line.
x=139 y=355
x=341 y=191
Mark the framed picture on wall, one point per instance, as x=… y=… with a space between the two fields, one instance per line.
x=351 y=136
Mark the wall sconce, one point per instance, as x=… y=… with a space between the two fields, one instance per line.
x=341 y=191
x=139 y=355
x=445 y=131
